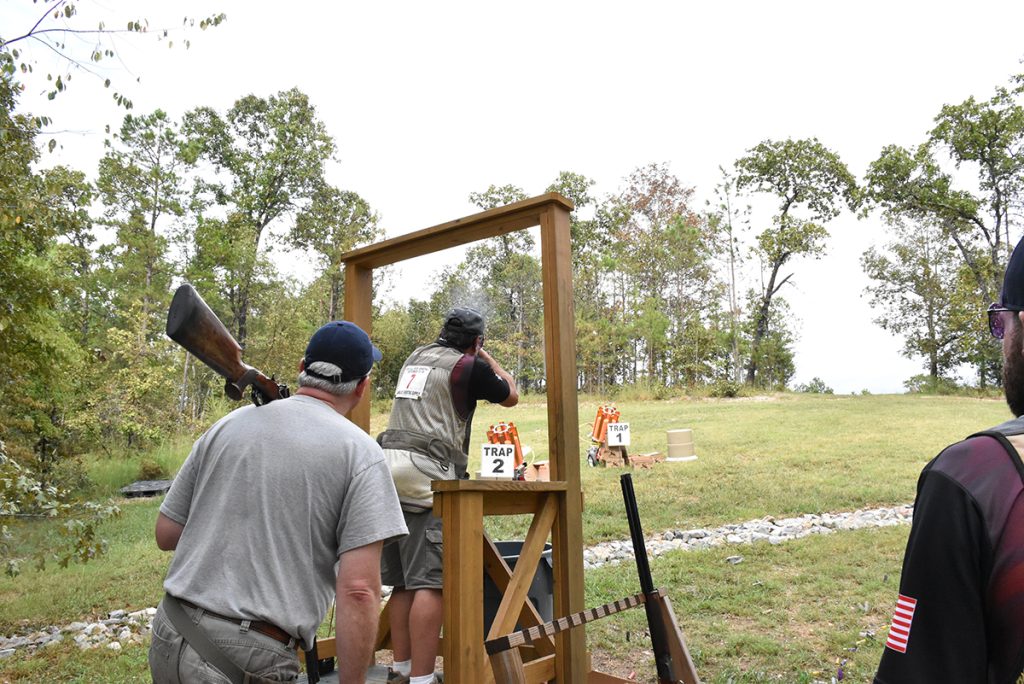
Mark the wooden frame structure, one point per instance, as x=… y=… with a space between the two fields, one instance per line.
x=557 y=505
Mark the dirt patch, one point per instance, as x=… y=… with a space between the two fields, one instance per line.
x=635 y=665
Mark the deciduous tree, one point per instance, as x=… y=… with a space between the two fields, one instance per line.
x=58 y=21
x=911 y=293
x=510 y=277
x=335 y=222
x=928 y=185
x=811 y=184
x=268 y=155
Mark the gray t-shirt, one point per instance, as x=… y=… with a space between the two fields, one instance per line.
x=270 y=497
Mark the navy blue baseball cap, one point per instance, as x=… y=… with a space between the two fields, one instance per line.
x=346 y=346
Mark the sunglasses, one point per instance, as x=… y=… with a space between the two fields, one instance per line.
x=996 y=326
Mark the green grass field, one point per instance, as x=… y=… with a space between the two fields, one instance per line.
x=789 y=613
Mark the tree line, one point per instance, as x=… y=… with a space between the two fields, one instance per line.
x=664 y=295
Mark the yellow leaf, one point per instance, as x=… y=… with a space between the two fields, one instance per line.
x=17 y=220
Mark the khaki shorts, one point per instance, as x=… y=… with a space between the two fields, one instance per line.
x=414 y=561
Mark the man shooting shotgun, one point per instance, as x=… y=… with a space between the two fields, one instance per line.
x=278 y=509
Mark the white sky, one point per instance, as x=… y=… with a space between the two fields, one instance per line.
x=431 y=101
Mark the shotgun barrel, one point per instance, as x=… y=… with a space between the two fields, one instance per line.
x=655 y=623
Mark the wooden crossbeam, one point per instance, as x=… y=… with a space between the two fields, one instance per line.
x=527 y=636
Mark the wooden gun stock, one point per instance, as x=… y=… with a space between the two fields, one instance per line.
x=192 y=324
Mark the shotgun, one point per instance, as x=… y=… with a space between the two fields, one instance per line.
x=655 y=622
x=192 y=324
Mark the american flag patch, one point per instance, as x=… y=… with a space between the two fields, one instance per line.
x=899 y=631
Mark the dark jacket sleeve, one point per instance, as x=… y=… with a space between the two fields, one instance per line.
x=944 y=572
x=485 y=384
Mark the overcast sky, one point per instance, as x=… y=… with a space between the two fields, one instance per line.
x=431 y=101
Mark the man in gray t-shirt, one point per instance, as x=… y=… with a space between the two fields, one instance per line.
x=277 y=510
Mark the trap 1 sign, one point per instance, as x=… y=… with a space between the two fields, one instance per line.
x=498 y=460
x=618 y=434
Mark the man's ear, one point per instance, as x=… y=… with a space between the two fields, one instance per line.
x=302 y=364
x=361 y=387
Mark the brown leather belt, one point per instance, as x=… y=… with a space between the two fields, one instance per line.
x=271 y=630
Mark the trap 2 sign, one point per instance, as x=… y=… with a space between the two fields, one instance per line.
x=498 y=461
x=618 y=434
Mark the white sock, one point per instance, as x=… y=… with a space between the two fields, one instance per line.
x=402 y=667
x=423 y=679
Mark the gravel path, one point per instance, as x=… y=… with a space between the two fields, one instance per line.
x=121 y=628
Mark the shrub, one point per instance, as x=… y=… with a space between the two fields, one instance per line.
x=21 y=494
x=815 y=386
x=151 y=470
x=725 y=389
x=927 y=384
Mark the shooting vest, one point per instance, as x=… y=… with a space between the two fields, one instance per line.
x=425 y=436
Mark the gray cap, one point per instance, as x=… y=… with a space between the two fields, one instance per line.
x=464 y=320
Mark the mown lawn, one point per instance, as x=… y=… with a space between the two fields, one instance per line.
x=787 y=613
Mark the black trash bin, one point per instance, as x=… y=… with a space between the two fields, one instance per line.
x=541 y=589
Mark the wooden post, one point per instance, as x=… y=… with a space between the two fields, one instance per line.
x=462 y=516
x=563 y=437
x=359 y=310
x=508 y=667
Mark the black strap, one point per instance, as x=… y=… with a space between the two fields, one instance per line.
x=200 y=642
x=312 y=664
x=1011 y=450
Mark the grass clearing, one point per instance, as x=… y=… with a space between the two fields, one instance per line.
x=786 y=613
x=789 y=613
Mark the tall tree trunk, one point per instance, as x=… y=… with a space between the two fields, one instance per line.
x=761 y=329
x=183 y=395
x=332 y=309
x=243 y=315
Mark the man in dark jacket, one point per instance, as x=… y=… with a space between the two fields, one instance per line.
x=959 y=616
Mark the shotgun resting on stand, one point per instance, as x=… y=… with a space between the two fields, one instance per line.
x=671 y=656
x=192 y=324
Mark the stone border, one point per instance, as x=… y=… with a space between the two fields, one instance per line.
x=121 y=628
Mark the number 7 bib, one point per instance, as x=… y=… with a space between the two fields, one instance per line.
x=412 y=382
